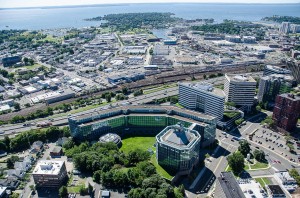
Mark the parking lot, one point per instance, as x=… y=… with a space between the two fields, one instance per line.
x=277 y=143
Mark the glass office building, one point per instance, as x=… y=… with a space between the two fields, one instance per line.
x=177 y=148
x=140 y=120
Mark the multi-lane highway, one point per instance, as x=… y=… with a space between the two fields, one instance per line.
x=63 y=120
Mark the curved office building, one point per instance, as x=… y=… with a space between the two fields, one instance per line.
x=177 y=148
x=140 y=121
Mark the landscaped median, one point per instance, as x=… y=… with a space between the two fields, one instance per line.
x=263 y=181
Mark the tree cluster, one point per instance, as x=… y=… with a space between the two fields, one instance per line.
x=294 y=173
x=24 y=140
x=138 y=92
x=128 y=21
x=269 y=121
x=115 y=169
x=280 y=19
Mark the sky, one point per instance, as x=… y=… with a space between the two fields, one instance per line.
x=39 y=3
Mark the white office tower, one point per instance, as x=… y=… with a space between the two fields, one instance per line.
x=285 y=27
x=202 y=97
x=240 y=89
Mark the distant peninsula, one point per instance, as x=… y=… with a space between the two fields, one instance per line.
x=125 y=21
x=280 y=19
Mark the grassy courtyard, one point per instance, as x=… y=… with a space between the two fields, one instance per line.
x=144 y=143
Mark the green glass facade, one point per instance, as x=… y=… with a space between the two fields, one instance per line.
x=174 y=157
x=133 y=122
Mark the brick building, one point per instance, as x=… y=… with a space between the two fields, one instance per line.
x=286 y=111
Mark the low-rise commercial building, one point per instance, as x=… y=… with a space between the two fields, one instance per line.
x=286 y=180
x=275 y=191
x=49 y=173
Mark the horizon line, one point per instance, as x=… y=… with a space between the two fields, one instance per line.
x=117 y=4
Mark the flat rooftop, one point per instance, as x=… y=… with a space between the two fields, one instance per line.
x=250 y=187
x=207 y=87
x=278 y=69
x=240 y=78
x=144 y=110
x=178 y=136
x=48 y=167
x=275 y=189
x=230 y=186
x=291 y=96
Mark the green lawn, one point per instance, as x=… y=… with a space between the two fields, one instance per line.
x=162 y=172
x=263 y=181
x=152 y=90
x=50 y=38
x=259 y=165
x=32 y=66
x=179 y=105
x=73 y=189
x=143 y=143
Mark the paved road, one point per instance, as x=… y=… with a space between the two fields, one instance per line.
x=63 y=120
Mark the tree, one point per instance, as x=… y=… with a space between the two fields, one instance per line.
x=17 y=106
x=258 y=108
x=108 y=97
x=32 y=187
x=236 y=162
x=63 y=192
x=83 y=190
x=239 y=121
x=232 y=104
x=66 y=132
x=97 y=176
x=259 y=155
x=11 y=161
x=294 y=173
x=244 y=147
x=125 y=90
x=207 y=155
x=291 y=146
